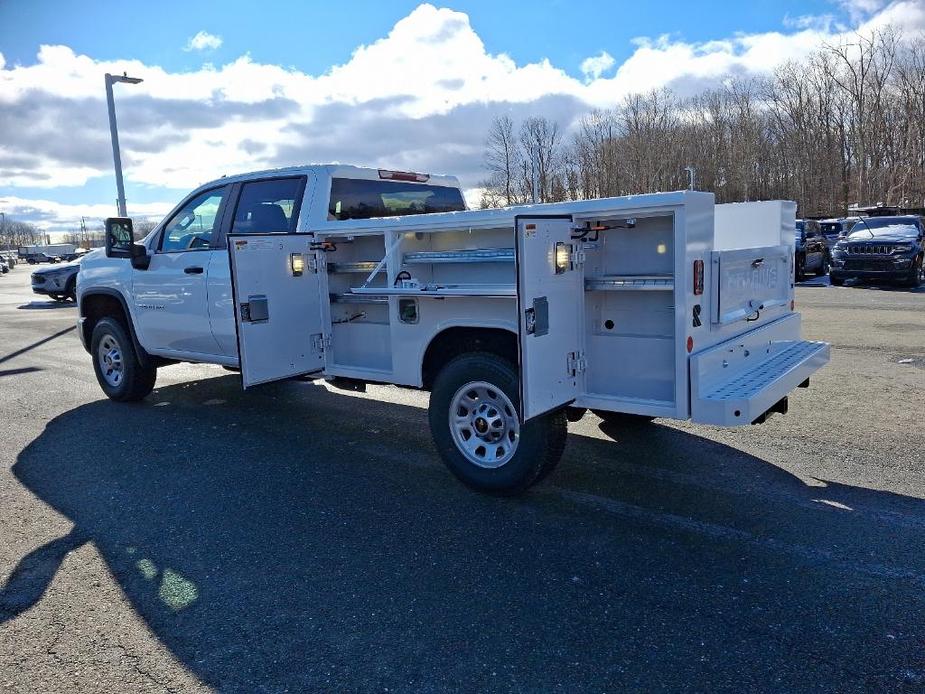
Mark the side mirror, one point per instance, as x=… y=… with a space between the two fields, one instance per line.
x=119 y=237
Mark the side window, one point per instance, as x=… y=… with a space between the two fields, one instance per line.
x=193 y=226
x=267 y=206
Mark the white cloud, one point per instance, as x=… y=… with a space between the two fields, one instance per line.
x=56 y=216
x=420 y=97
x=203 y=41
x=597 y=65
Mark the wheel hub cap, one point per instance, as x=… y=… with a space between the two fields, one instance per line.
x=484 y=424
x=110 y=359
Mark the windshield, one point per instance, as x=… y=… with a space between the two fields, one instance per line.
x=354 y=198
x=884 y=226
x=800 y=226
x=830 y=228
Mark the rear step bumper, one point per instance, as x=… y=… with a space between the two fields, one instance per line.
x=743 y=381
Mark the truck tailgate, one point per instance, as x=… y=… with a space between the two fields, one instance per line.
x=737 y=381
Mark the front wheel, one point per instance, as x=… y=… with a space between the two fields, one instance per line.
x=836 y=281
x=799 y=273
x=917 y=276
x=474 y=421
x=118 y=370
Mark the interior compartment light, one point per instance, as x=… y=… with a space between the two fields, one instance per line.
x=296 y=264
x=563 y=256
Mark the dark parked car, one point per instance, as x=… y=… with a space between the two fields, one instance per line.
x=60 y=283
x=810 y=252
x=835 y=229
x=882 y=248
x=37 y=258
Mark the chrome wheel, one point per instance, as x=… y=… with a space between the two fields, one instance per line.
x=109 y=354
x=484 y=424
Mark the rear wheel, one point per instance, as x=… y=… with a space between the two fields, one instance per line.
x=799 y=273
x=836 y=281
x=826 y=265
x=474 y=420
x=70 y=290
x=118 y=370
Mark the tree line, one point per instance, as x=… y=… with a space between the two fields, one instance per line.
x=845 y=126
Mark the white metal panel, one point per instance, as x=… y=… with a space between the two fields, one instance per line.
x=749 y=281
x=550 y=316
x=737 y=381
x=753 y=224
x=277 y=314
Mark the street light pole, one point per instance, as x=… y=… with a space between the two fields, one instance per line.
x=114 y=133
x=690 y=172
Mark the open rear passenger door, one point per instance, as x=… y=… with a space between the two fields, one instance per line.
x=550 y=289
x=277 y=306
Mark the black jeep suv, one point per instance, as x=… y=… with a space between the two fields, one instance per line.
x=881 y=248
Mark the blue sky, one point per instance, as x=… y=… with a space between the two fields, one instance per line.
x=381 y=83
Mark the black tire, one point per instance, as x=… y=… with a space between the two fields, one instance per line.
x=825 y=267
x=540 y=443
x=836 y=281
x=70 y=289
x=623 y=419
x=136 y=380
x=915 y=278
x=799 y=271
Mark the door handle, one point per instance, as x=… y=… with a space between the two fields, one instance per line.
x=194 y=270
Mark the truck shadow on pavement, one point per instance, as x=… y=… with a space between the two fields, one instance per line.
x=295 y=538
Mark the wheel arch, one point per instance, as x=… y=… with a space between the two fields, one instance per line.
x=99 y=303
x=451 y=341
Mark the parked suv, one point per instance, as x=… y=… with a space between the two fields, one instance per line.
x=59 y=282
x=881 y=248
x=810 y=252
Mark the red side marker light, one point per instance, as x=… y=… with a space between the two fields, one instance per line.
x=690 y=344
x=698 y=278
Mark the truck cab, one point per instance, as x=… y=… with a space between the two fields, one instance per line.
x=661 y=305
x=184 y=283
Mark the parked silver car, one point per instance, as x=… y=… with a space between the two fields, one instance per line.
x=58 y=281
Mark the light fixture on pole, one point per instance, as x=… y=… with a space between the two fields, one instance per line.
x=116 y=157
x=690 y=172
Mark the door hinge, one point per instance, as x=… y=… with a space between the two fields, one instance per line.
x=315 y=260
x=576 y=363
x=320 y=342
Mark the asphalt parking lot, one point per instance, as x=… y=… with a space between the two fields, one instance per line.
x=298 y=537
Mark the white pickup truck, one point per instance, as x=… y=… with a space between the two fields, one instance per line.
x=515 y=320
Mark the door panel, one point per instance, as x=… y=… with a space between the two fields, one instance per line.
x=549 y=314
x=170 y=303
x=221 y=304
x=277 y=311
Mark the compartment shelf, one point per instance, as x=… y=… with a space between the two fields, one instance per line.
x=616 y=283
x=441 y=290
x=478 y=255
x=359 y=299
x=366 y=266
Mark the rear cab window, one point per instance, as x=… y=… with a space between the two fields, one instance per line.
x=268 y=206
x=354 y=198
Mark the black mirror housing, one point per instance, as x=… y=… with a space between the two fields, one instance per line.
x=120 y=237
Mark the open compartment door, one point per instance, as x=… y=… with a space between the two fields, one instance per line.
x=277 y=306
x=550 y=289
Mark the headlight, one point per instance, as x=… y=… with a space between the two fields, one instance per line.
x=902 y=249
